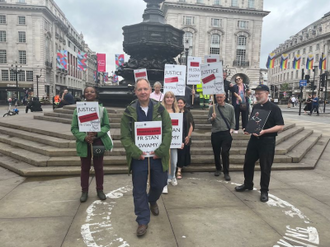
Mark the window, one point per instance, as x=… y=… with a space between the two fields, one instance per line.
x=297 y=73
x=3 y=36
x=215 y=44
x=303 y=61
x=12 y=76
x=188 y=36
x=234 y=3
x=215 y=22
x=298 y=52
x=317 y=58
x=21 y=37
x=241 y=41
x=3 y=56
x=304 y=51
x=2 y=19
x=317 y=46
x=242 y=24
x=311 y=48
x=21 y=1
x=69 y=43
x=188 y=20
x=21 y=20
x=29 y=75
x=21 y=76
x=241 y=50
x=216 y=2
x=4 y=75
x=22 y=57
x=199 y=1
x=251 y=4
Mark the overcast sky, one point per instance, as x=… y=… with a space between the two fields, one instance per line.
x=101 y=22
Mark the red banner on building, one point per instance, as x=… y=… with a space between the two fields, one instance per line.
x=101 y=62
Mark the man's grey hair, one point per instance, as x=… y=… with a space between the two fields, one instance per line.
x=141 y=79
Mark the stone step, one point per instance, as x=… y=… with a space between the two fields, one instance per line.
x=286 y=146
x=37 y=138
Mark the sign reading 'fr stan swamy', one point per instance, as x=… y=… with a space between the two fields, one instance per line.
x=194 y=70
x=212 y=78
x=177 y=124
x=174 y=79
x=88 y=117
x=148 y=136
x=140 y=74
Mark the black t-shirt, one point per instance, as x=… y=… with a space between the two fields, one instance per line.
x=275 y=116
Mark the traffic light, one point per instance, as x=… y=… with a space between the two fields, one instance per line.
x=307 y=77
x=322 y=79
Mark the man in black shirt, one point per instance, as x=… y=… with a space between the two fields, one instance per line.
x=262 y=146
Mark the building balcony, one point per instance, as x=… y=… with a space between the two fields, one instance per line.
x=238 y=63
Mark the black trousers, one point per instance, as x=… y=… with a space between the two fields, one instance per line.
x=221 y=143
x=262 y=148
x=244 y=117
x=315 y=107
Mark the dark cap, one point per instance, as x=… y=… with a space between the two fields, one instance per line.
x=262 y=87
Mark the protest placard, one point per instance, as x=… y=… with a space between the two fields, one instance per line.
x=175 y=79
x=177 y=125
x=140 y=74
x=148 y=136
x=88 y=117
x=194 y=70
x=213 y=58
x=212 y=78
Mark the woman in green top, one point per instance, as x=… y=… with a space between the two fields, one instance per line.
x=84 y=141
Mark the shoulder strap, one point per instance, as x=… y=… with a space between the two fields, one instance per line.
x=223 y=117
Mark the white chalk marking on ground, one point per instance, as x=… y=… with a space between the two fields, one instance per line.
x=104 y=226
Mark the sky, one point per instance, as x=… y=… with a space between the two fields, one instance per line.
x=101 y=22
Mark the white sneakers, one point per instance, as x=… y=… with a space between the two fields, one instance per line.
x=174 y=182
x=165 y=190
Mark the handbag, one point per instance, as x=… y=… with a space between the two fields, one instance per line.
x=242 y=106
x=98 y=150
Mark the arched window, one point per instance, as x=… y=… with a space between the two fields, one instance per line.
x=241 y=51
x=215 y=44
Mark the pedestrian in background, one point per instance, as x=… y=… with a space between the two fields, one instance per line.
x=308 y=105
x=141 y=110
x=157 y=94
x=315 y=105
x=223 y=124
x=184 y=157
x=83 y=147
x=262 y=146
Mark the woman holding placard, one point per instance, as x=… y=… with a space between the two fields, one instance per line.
x=184 y=157
x=85 y=141
x=171 y=106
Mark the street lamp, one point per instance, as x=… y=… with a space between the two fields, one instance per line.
x=313 y=85
x=16 y=70
x=38 y=76
x=186 y=49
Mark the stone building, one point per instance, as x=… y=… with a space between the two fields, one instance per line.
x=31 y=32
x=312 y=40
x=230 y=28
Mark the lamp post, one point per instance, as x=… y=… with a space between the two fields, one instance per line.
x=16 y=69
x=186 y=50
x=38 y=76
x=315 y=66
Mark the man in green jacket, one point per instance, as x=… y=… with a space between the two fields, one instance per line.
x=140 y=110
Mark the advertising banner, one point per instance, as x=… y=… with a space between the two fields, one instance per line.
x=119 y=60
x=177 y=125
x=88 y=117
x=212 y=78
x=82 y=61
x=101 y=62
x=174 y=79
x=148 y=136
x=194 y=70
x=62 y=59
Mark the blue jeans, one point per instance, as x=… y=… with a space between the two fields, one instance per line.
x=174 y=162
x=158 y=179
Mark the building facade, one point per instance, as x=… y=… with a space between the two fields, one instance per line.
x=313 y=40
x=229 y=28
x=31 y=33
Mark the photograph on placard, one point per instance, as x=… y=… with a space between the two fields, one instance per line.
x=194 y=70
x=212 y=78
x=88 y=116
x=175 y=79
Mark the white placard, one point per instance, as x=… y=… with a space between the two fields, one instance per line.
x=148 y=136
x=194 y=70
x=212 y=78
x=88 y=116
x=174 y=79
x=140 y=74
x=213 y=58
x=177 y=129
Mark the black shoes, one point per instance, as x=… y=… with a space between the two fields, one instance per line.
x=154 y=209
x=101 y=195
x=84 y=196
x=242 y=188
x=227 y=177
x=264 y=196
x=217 y=173
x=141 y=230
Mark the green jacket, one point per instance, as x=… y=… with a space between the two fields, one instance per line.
x=127 y=133
x=81 y=145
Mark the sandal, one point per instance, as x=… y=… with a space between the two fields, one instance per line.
x=178 y=175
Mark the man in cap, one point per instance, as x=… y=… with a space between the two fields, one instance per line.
x=262 y=146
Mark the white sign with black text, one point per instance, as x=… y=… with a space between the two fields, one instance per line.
x=140 y=74
x=194 y=70
x=177 y=124
x=88 y=116
x=174 y=79
x=212 y=78
x=213 y=58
